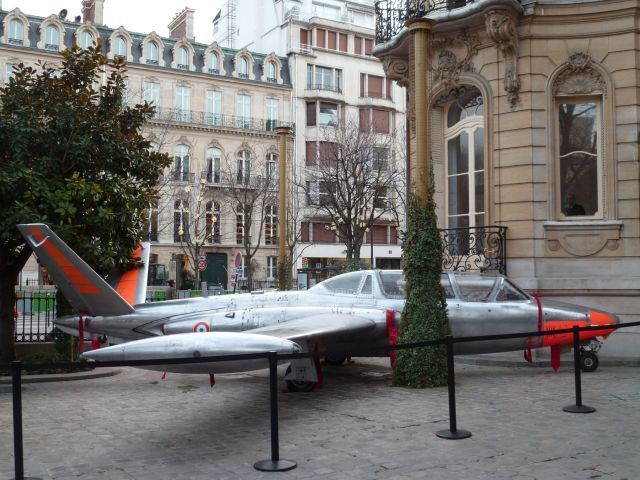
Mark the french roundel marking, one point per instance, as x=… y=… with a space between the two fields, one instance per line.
x=201 y=327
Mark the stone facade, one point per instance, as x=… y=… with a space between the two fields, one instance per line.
x=206 y=106
x=556 y=82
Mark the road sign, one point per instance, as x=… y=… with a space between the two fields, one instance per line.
x=238 y=259
x=202 y=265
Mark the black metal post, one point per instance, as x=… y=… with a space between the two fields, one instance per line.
x=274 y=464
x=578 y=407
x=453 y=433
x=16 y=376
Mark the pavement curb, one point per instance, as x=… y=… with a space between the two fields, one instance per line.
x=500 y=362
x=63 y=377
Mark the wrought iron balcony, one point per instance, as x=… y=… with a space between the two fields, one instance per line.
x=475 y=249
x=391 y=15
x=183 y=116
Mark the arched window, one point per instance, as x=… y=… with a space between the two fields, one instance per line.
x=181 y=164
x=152 y=53
x=86 y=39
x=51 y=38
x=271 y=75
x=214 y=159
x=120 y=47
x=214 y=63
x=271 y=225
x=183 y=58
x=181 y=221
x=244 y=167
x=464 y=145
x=272 y=169
x=243 y=71
x=16 y=32
x=213 y=218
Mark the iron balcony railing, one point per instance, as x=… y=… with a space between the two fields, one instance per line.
x=324 y=86
x=475 y=249
x=391 y=15
x=183 y=116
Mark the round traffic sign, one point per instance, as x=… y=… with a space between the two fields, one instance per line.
x=202 y=265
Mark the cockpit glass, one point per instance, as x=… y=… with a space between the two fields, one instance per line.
x=366 y=288
x=392 y=284
x=474 y=288
x=509 y=292
x=349 y=283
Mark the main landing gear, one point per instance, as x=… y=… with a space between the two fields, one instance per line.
x=297 y=385
x=588 y=355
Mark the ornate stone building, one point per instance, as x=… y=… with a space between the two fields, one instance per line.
x=528 y=111
x=218 y=110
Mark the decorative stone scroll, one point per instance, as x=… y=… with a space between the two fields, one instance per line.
x=501 y=29
x=579 y=77
x=449 y=67
x=397 y=68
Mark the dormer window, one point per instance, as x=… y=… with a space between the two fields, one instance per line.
x=272 y=77
x=152 y=53
x=51 y=38
x=86 y=39
x=183 y=59
x=244 y=68
x=214 y=63
x=16 y=32
x=120 y=49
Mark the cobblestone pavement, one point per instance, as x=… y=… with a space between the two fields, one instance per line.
x=135 y=426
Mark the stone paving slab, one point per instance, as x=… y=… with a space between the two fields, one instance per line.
x=135 y=426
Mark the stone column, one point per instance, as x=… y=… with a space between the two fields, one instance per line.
x=283 y=264
x=420 y=30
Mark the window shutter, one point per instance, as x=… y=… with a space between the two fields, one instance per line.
x=375 y=86
x=332 y=40
x=320 y=33
x=342 y=42
x=358 y=45
x=380 y=121
x=311 y=154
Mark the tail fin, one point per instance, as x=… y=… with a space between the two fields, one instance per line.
x=132 y=284
x=84 y=288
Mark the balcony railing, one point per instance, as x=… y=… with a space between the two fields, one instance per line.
x=475 y=249
x=324 y=86
x=179 y=115
x=391 y=15
x=180 y=176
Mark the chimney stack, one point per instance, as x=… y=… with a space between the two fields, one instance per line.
x=92 y=11
x=182 y=25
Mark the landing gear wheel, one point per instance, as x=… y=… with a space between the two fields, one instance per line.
x=298 y=386
x=335 y=361
x=588 y=361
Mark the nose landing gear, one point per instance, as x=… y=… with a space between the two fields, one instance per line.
x=588 y=355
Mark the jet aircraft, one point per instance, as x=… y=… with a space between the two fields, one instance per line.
x=355 y=310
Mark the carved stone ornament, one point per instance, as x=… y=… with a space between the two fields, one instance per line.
x=583 y=239
x=579 y=77
x=501 y=29
x=449 y=67
x=397 y=68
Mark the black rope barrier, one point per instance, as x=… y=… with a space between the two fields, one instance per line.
x=275 y=463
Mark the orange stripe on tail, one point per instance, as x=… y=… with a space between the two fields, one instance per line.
x=129 y=281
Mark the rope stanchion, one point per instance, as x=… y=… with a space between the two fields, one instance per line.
x=578 y=407
x=16 y=381
x=453 y=433
x=274 y=464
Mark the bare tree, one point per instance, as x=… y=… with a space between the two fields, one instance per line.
x=250 y=187
x=350 y=181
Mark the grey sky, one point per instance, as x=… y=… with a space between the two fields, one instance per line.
x=141 y=16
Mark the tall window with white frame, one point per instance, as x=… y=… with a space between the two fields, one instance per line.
x=240 y=230
x=182 y=160
x=214 y=107
x=271 y=74
x=243 y=70
x=324 y=78
x=183 y=104
x=183 y=59
x=243 y=167
x=272 y=268
x=271 y=225
x=272 y=169
x=214 y=63
x=579 y=157
x=16 y=32
x=272 y=107
x=9 y=73
x=152 y=53
x=86 y=39
x=243 y=111
x=151 y=94
x=464 y=146
x=181 y=221
x=51 y=38
x=213 y=218
x=120 y=49
x=214 y=160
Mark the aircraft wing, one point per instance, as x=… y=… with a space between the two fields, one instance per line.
x=334 y=327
